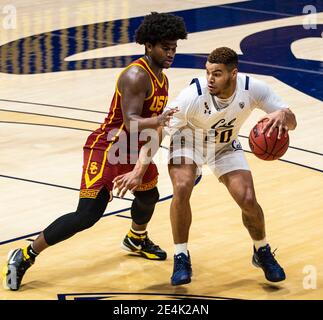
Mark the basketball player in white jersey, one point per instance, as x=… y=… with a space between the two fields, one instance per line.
x=211 y=112
x=205 y=130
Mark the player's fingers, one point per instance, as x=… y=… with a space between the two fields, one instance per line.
x=117 y=184
x=134 y=188
x=118 y=192
x=173 y=110
x=271 y=129
x=263 y=118
x=121 y=185
x=280 y=131
x=286 y=131
x=123 y=192
x=117 y=178
x=266 y=125
x=125 y=188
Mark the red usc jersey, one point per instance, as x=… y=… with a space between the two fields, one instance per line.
x=153 y=106
x=98 y=171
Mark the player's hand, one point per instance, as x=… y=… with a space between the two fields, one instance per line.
x=276 y=119
x=128 y=181
x=165 y=117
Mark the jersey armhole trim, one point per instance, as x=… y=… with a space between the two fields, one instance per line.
x=198 y=86
x=151 y=80
x=246 y=87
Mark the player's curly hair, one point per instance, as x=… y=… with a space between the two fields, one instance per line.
x=224 y=55
x=158 y=27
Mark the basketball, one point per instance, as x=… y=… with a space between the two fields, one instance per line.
x=267 y=148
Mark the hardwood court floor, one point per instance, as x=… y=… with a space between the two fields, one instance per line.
x=45 y=118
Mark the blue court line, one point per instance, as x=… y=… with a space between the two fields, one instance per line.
x=298 y=164
x=287 y=15
x=162 y=147
x=52 y=185
x=52 y=106
x=45 y=125
x=291 y=147
x=112 y=294
x=276 y=66
x=199 y=178
x=50 y=116
x=104 y=215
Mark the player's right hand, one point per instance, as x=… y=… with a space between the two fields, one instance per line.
x=166 y=116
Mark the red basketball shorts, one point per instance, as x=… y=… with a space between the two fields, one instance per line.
x=98 y=172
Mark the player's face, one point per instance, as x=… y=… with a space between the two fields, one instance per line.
x=163 y=53
x=219 y=79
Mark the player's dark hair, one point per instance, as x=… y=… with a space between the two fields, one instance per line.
x=224 y=55
x=158 y=27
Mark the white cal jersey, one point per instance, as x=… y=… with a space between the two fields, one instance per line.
x=198 y=109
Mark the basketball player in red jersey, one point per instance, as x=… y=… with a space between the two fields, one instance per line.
x=140 y=97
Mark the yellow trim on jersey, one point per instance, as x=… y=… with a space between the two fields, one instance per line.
x=89 y=193
x=139 y=65
x=89 y=182
x=146 y=64
x=148 y=185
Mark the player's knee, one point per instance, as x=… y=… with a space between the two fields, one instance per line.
x=141 y=213
x=143 y=205
x=86 y=220
x=89 y=211
x=247 y=202
x=183 y=189
x=149 y=197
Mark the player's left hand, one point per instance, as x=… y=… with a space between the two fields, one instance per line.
x=128 y=181
x=276 y=119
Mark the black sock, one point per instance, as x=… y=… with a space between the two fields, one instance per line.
x=31 y=252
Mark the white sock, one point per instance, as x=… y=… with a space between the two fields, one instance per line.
x=181 y=248
x=139 y=232
x=260 y=243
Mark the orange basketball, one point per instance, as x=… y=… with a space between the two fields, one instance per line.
x=267 y=148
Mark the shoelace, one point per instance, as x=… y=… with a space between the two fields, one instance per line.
x=181 y=264
x=149 y=244
x=23 y=268
x=269 y=257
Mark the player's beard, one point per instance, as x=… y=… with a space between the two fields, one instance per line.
x=226 y=87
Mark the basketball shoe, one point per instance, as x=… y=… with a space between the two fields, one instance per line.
x=18 y=263
x=263 y=258
x=142 y=245
x=182 y=272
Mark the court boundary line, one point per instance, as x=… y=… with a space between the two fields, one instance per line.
x=52 y=106
x=198 y=179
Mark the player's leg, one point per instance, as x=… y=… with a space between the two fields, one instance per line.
x=240 y=185
x=183 y=177
x=88 y=212
x=142 y=209
x=94 y=198
x=137 y=240
x=230 y=167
